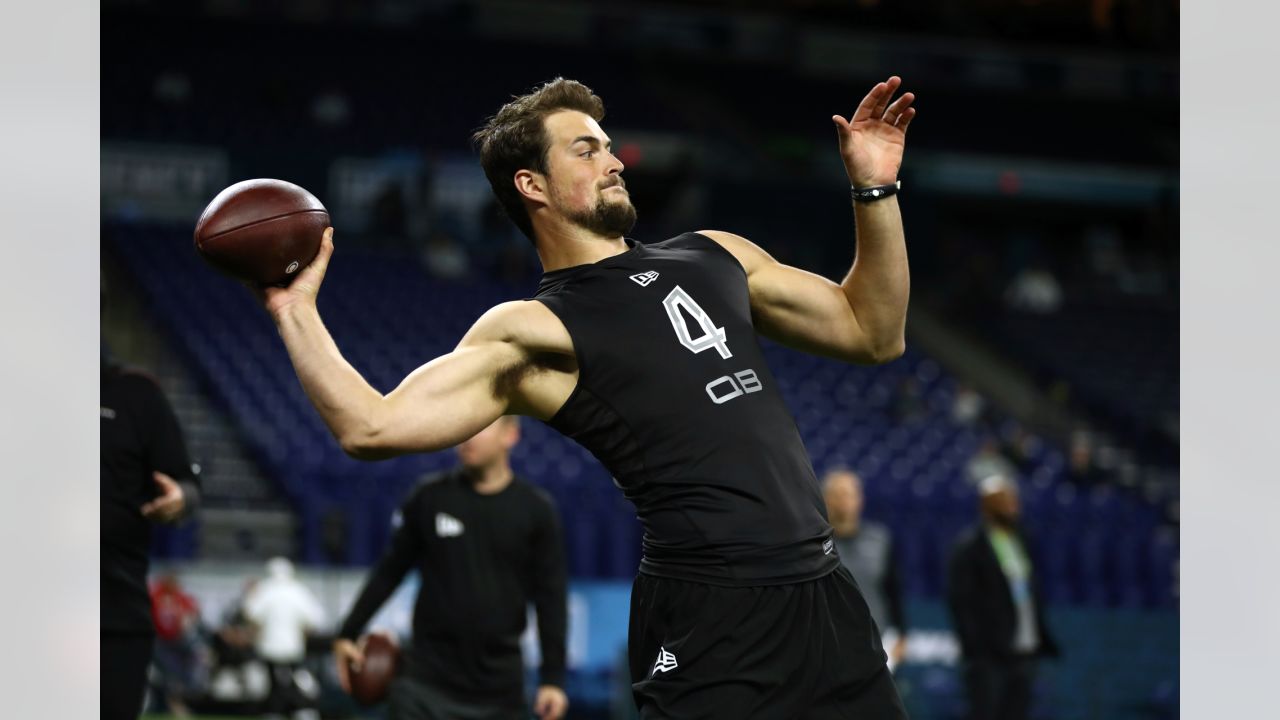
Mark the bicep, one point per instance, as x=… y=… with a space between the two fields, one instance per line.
x=795 y=307
x=494 y=371
x=445 y=401
x=807 y=312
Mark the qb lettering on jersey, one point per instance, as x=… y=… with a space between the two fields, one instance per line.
x=727 y=387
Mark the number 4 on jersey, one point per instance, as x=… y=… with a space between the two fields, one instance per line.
x=710 y=337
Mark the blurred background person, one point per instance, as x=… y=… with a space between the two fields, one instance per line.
x=146 y=478
x=486 y=544
x=997 y=609
x=988 y=461
x=284 y=612
x=866 y=549
x=237 y=673
x=181 y=657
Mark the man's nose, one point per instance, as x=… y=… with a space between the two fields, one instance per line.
x=615 y=166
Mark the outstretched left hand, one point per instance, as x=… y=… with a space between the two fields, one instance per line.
x=872 y=141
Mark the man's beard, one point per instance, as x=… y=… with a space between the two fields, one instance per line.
x=610 y=219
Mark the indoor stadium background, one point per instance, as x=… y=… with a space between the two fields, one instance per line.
x=1039 y=198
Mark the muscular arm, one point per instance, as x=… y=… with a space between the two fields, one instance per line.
x=438 y=405
x=493 y=371
x=863 y=318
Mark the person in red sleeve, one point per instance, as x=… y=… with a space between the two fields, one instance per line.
x=177 y=654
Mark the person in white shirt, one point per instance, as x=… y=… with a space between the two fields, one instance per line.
x=284 y=610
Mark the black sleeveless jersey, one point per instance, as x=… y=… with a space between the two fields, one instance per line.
x=675 y=399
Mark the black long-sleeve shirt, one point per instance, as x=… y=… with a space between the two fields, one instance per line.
x=140 y=434
x=482 y=559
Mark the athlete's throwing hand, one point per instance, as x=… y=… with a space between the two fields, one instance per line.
x=304 y=287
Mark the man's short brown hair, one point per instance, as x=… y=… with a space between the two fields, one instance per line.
x=516 y=139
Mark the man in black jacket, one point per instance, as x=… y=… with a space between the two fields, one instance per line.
x=486 y=543
x=146 y=478
x=997 y=609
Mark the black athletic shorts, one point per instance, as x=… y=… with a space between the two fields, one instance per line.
x=804 y=651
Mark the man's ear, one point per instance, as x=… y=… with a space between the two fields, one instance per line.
x=532 y=185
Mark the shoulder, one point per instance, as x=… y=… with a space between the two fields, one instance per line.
x=137 y=380
x=528 y=325
x=431 y=484
x=441 y=480
x=137 y=389
x=534 y=493
x=538 y=499
x=747 y=253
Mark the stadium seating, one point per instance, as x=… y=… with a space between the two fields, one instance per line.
x=1119 y=354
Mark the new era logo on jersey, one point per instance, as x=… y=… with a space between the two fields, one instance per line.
x=666 y=662
x=644 y=278
x=448 y=525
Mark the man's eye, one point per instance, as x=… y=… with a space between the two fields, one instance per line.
x=588 y=153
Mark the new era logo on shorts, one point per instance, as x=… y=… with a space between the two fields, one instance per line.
x=645 y=278
x=666 y=662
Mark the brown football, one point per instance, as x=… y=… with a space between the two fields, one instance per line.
x=261 y=231
x=369 y=686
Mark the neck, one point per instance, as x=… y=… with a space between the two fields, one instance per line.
x=491 y=479
x=561 y=245
x=845 y=527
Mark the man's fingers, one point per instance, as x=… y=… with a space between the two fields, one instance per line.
x=887 y=89
x=905 y=118
x=842 y=129
x=165 y=482
x=550 y=704
x=899 y=106
x=321 y=263
x=308 y=281
x=344 y=677
x=163 y=509
x=867 y=105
